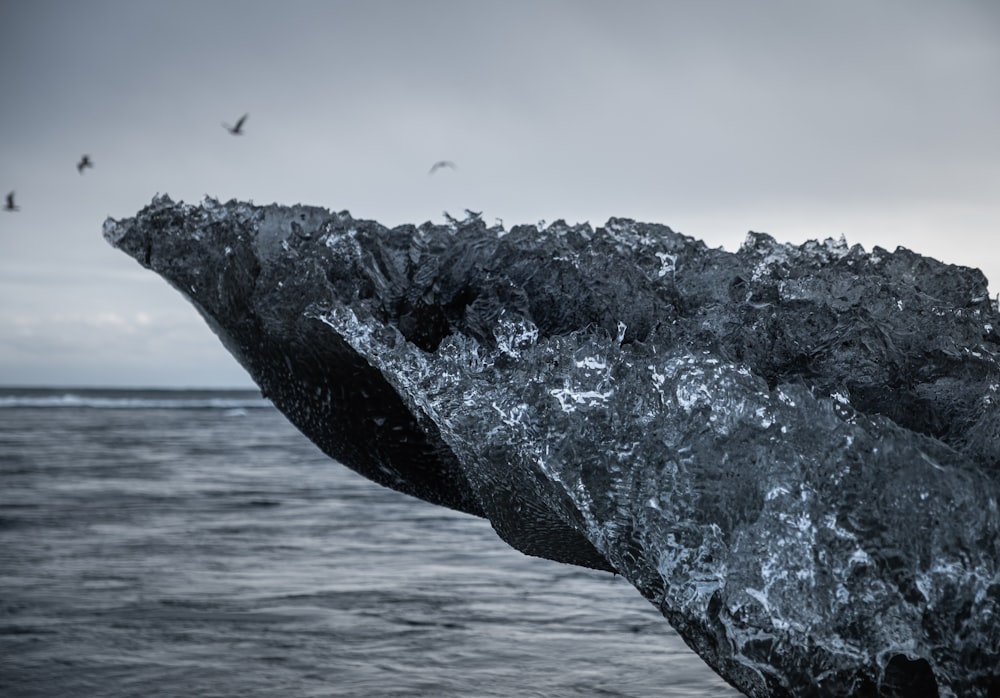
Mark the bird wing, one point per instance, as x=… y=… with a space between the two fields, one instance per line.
x=239 y=124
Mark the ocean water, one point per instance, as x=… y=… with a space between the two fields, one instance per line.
x=164 y=543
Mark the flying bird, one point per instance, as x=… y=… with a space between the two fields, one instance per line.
x=84 y=164
x=10 y=203
x=236 y=130
x=441 y=163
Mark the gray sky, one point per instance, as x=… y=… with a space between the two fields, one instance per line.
x=878 y=120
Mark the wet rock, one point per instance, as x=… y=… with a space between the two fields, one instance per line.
x=793 y=452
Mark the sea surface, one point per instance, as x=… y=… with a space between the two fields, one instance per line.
x=193 y=543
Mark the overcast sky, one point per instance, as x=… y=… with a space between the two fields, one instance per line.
x=876 y=120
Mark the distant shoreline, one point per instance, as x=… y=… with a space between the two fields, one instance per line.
x=5 y=389
x=131 y=398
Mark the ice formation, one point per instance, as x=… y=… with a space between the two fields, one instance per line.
x=792 y=452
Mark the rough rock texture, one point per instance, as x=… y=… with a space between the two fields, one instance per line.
x=793 y=452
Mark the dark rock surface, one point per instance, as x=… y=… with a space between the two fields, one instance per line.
x=793 y=452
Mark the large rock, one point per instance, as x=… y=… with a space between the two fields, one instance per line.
x=793 y=452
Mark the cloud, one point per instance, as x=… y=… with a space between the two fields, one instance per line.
x=142 y=348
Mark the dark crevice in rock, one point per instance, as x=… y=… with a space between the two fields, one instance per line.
x=906 y=678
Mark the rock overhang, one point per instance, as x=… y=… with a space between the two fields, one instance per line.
x=752 y=438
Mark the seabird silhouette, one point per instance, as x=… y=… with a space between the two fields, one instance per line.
x=84 y=164
x=441 y=163
x=10 y=203
x=236 y=130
